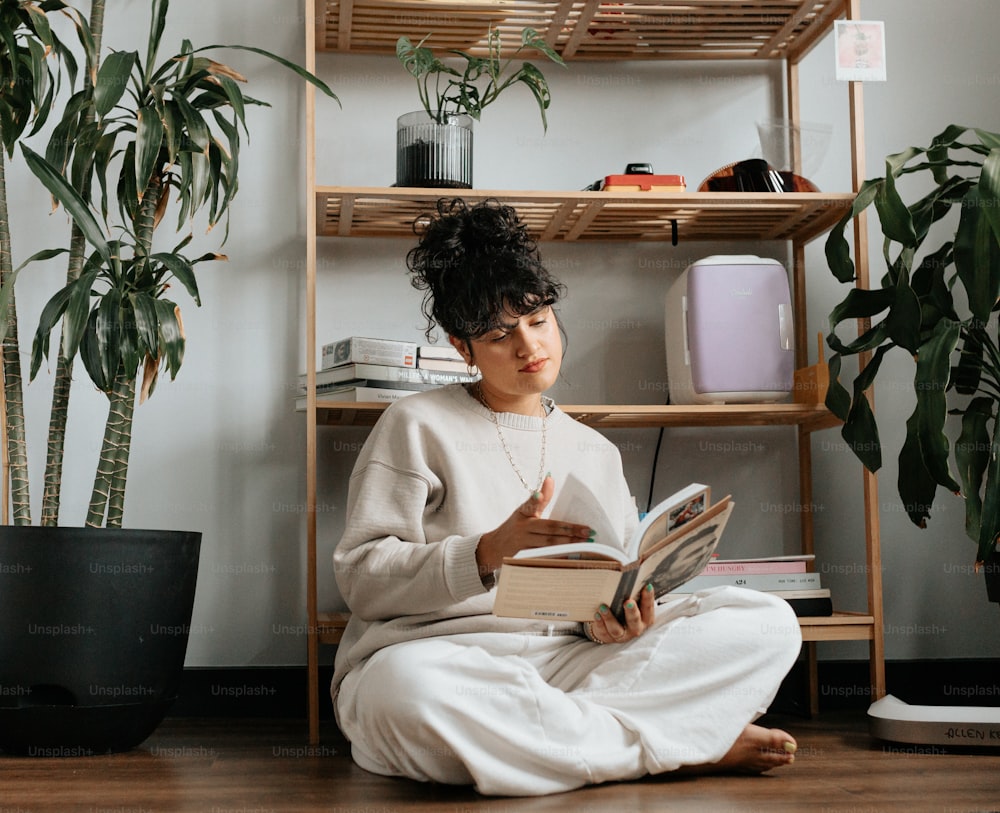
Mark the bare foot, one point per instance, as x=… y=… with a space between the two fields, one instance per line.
x=759 y=749
x=756 y=750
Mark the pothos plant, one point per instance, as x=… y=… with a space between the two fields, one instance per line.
x=446 y=91
x=144 y=130
x=938 y=303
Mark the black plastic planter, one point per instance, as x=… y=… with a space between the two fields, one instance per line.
x=93 y=632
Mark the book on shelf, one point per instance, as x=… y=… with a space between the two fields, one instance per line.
x=807 y=601
x=442 y=357
x=569 y=582
x=445 y=365
x=386 y=376
x=816 y=602
x=438 y=351
x=768 y=564
x=357 y=394
x=754 y=581
x=363 y=350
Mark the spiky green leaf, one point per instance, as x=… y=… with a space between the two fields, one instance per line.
x=112 y=80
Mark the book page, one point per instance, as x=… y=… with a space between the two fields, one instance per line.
x=575 y=502
x=553 y=593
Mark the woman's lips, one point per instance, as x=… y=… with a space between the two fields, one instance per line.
x=534 y=366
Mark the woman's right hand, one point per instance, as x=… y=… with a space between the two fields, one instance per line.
x=525 y=528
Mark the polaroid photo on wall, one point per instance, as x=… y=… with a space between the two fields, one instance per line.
x=860 y=49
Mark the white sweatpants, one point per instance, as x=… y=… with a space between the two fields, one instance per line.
x=526 y=715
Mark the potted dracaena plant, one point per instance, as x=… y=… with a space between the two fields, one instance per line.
x=113 y=606
x=434 y=145
x=938 y=302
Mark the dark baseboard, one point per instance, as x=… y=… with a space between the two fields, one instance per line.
x=843 y=685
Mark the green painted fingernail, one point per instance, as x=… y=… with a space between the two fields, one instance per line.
x=604 y=608
x=597 y=616
x=630 y=605
x=649 y=587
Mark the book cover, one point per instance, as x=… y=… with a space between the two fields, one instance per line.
x=359 y=349
x=570 y=587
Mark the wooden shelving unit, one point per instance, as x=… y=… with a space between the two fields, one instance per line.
x=782 y=30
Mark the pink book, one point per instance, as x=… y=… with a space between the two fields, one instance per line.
x=775 y=564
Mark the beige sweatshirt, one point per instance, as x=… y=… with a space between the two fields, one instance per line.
x=432 y=477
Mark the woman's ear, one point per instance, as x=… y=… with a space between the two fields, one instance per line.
x=462 y=346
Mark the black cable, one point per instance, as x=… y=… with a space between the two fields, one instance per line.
x=656 y=457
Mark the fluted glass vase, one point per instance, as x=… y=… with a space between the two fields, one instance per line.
x=429 y=154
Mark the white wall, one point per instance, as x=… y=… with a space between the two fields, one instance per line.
x=220 y=450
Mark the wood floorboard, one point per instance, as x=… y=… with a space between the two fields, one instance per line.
x=259 y=766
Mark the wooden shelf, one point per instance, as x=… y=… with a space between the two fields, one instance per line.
x=838 y=627
x=584 y=29
x=347 y=211
x=628 y=416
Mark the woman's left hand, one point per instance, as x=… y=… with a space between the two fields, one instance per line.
x=606 y=629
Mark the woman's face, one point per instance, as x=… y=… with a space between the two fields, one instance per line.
x=518 y=361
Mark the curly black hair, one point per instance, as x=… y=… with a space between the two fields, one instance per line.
x=475 y=262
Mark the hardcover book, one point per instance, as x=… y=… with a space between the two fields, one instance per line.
x=385 y=374
x=357 y=394
x=569 y=582
x=356 y=349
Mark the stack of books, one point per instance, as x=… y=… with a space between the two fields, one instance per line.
x=784 y=576
x=381 y=370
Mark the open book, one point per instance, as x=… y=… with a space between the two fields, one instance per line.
x=569 y=582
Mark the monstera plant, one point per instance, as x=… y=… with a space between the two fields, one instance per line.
x=937 y=302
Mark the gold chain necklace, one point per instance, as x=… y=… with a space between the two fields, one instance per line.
x=506 y=448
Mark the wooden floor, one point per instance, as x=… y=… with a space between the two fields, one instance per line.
x=239 y=766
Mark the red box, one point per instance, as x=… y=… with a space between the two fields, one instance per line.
x=644 y=183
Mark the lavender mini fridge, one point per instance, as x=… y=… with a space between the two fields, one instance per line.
x=729 y=332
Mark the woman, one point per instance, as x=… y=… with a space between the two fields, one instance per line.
x=428 y=683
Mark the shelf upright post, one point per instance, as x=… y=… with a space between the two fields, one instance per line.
x=312 y=608
x=870 y=481
x=799 y=305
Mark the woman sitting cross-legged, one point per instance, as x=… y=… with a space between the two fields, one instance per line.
x=428 y=683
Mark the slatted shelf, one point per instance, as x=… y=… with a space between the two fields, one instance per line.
x=345 y=211
x=584 y=29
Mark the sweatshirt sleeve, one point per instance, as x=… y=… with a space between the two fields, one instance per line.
x=384 y=565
